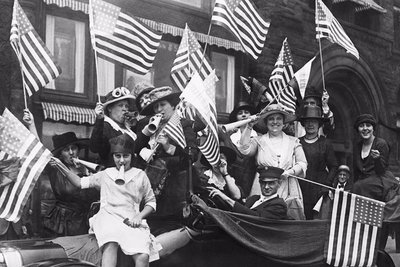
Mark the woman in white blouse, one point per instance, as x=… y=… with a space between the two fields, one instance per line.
x=277 y=149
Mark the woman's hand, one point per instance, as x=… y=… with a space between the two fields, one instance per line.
x=223 y=167
x=135 y=222
x=99 y=110
x=28 y=117
x=215 y=192
x=375 y=153
x=287 y=173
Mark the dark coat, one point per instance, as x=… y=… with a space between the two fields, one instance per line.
x=321 y=168
x=274 y=208
x=364 y=168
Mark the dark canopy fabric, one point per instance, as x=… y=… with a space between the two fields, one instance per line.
x=295 y=243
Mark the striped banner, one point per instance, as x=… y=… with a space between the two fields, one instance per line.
x=328 y=27
x=189 y=59
x=281 y=76
x=58 y=112
x=242 y=19
x=37 y=64
x=17 y=141
x=352 y=239
x=201 y=95
x=119 y=37
x=174 y=129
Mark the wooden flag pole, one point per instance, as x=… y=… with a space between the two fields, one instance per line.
x=312 y=182
x=205 y=47
x=23 y=80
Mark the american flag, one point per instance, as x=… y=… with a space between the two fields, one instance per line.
x=119 y=37
x=353 y=230
x=328 y=27
x=242 y=19
x=174 y=130
x=17 y=141
x=201 y=95
x=188 y=60
x=281 y=76
x=38 y=66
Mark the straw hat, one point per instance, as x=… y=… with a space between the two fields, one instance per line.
x=274 y=109
x=159 y=94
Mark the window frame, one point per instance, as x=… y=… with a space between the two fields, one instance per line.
x=89 y=95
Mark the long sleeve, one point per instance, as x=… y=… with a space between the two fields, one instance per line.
x=275 y=209
x=98 y=142
x=300 y=161
x=331 y=162
x=249 y=148
x=381 y=163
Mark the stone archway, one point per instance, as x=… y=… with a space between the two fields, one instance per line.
x=353 y=90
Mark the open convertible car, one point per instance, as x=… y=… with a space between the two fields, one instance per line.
x=226 y=239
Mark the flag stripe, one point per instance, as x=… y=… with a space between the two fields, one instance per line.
x=353 y=230
x=37 y=64
x=244 y=21
x=17 y=141
x=121 y=38
x=327 y=26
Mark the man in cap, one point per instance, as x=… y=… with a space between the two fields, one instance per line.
x=269 y=205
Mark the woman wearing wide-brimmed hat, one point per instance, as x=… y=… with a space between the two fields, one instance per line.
x=322 y=163
x=277 y=149
x=167 y=160
x=69 y=214
x=111 y=122
x=244 y=168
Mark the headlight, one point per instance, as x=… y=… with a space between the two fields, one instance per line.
x=10 y=257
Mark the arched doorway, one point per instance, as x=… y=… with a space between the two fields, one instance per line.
x=353 y=90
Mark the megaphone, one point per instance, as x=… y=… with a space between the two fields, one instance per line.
x=231 y=126
x=90 y=165
x=154 y=123
x=120 y=179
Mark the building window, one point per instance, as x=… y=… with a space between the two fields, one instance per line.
x=105 y=76
x=225 y=90
x=66 y=40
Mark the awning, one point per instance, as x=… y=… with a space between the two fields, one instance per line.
x=83 y=6
x=364 y=4
x=58 y=112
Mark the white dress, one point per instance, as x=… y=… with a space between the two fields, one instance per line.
x=118 y=202
x=286 y=155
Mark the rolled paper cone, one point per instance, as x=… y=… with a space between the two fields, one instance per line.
x=120 y=179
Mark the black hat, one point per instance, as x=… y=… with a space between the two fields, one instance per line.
x=311 y=112
x=311 y=91
x=119 y=93
x=69 y=138
x=227 y=151
x=159 y=94
x=365 y=118
x=122 y=144
x=269 y=173
x=242 y=105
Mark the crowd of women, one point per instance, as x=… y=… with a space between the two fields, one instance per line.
x=145 y=172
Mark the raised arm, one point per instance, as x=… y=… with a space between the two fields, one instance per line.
x=72 y=177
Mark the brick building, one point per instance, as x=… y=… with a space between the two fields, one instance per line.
x=368 y=85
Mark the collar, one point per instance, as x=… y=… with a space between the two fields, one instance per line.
x=116 y=127
x=129 y=174
x=266 y=198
